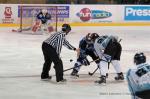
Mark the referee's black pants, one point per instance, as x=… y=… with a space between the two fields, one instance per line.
x=50 y=56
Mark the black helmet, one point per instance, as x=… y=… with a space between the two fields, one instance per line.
x=94 y=36
x=88 y=37
x=139 y=58
x=66 y=27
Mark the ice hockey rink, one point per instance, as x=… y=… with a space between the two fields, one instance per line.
x=21 y=63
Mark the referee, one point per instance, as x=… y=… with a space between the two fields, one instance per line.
x=51 y=48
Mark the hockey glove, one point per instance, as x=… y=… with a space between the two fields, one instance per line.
x=106 y=57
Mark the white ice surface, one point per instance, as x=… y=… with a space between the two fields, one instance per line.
x=21 y=63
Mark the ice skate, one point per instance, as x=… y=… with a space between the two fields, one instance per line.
x=46 y=78
x=102 y=80
x=63 y=81
x=74 y=74
x=119 y=76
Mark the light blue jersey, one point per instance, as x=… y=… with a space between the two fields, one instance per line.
x=139 y=78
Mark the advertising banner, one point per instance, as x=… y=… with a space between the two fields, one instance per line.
x=62 y=11
x=137 y=13
x=79 y=14
x=94 y=13
x=8 y=14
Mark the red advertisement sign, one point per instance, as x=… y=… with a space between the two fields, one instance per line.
x=7 y=12
x=8 y=15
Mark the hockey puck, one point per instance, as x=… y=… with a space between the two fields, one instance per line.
x=71 y=60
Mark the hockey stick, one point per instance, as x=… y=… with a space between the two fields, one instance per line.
x=97 y=68
x=79 y=65
x=68 y=69
x=120 y=40
x=93 y=71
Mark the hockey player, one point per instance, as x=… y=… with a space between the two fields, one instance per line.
x=86 y=48
x=109 y=50
x=51 y=48
x=42 y=21
x=139 y=78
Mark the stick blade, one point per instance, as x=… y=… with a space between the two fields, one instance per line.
x=90 y=74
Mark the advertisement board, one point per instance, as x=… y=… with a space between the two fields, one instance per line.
x=94 y=13
x=62 y=11
x=8 y=14
x=137 y=13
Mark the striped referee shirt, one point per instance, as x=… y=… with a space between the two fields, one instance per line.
x=58 y=39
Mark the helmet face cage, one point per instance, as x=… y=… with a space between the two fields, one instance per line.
x=139 y=58
x=94 y=36
x=44 y=11
x=88 y=37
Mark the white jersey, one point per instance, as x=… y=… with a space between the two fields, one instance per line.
x=139 y=78
x=100 y=44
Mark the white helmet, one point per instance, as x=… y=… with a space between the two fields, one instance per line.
x=44 y=10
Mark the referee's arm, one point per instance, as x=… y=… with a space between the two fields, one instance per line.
x=68 y=45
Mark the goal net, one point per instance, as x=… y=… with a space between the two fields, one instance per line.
x=28 y=18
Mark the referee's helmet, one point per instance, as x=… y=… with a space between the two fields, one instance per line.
x=66 y=27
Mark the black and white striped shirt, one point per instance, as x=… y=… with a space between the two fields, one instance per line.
x=58 y=39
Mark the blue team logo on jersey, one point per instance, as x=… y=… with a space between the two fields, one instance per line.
x=86 y=14
x=137 y=13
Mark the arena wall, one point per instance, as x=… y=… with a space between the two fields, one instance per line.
x=85 y=15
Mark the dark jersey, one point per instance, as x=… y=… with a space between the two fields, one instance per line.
x=44 y=18
x=85 y=46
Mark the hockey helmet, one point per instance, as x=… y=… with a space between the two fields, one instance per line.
x=94 y=36
x=44 y=11
x=139 y=58
x=66 y=27
x=88 y=37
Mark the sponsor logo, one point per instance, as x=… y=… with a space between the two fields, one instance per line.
x=137 y=13
x=86 y=14
x=7 y=12
x=8 y=15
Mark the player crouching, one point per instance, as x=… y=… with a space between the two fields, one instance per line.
x=86 y=48
x=109 y=50
x=42 y=22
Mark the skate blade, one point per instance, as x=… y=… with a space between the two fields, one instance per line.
x=61 y=82
x=102 y=84
x=74 y=77
x=119 y=79
x=45 y=79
